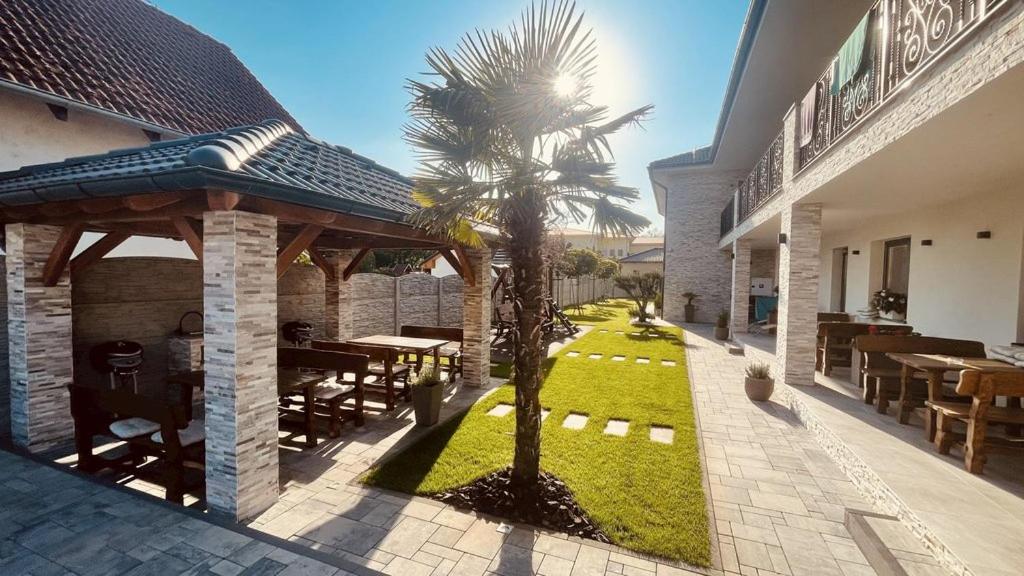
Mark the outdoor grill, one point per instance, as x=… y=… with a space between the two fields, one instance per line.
x=120 y=361
x=298 y=333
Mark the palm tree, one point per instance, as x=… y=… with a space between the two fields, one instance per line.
x=506 y=136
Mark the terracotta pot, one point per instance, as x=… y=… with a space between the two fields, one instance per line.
x=758 y=389
x=426 y=403
x=721 y=332
x=689 y=312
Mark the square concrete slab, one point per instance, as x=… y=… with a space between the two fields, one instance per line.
x=668 y=362
x=642 y=360
x=575 y=421
x=595 y=356
x=617 y=427
x=544 y=414
x=603 y=331
x=572 y=354
x=619 y=332
x=501 y=410
x=662 y=434
x=618 y=358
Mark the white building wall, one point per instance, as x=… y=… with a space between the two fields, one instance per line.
x=960 y=286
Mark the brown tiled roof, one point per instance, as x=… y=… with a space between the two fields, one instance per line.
x=127 y=57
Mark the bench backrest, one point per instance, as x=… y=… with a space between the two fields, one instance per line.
x=841 y=330
x=374 y=353
x=340 y=362
x=875 y=346
x=93 y=408
x=986 y=385
x=448 y=333
x=833 y=317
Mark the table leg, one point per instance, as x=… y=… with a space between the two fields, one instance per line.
x=934 y=395
x=903 y=405
x=1013 y=430
x=974 y=446
x=308 y=413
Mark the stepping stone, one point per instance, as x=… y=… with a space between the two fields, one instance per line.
x=544 y=414
x=572 y=354
x=636 y=334
x=604 y=331
x=662 y=434
x=668 y=362
x=618 y=358
x=501 y=410
x=654 y=335
x=595 y=356
x=642 y=360
x=575 y=421
x=619 y=332
x=617 y=427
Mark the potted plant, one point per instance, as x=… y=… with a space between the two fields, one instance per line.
x=894 y=304
x=759 y=383
x=722 y=326
x=689 y=310
x=426 y=395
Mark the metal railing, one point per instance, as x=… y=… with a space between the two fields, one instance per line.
x=906 y=37
x=763 y=182
x=726 y=219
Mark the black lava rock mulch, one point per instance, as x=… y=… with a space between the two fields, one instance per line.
x=558 y=508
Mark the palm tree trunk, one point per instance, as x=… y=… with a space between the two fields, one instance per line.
x=526 y=232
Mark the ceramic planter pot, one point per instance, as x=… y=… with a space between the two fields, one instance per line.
x=426 y=403
x=689 y=312
x=721 y=332
x=759 y=389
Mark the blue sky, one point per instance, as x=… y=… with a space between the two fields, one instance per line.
x=340 y=66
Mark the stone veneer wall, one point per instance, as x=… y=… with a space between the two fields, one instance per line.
x=5 y=376
x=763 y=265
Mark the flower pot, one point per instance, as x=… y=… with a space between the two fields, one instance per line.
x=759 y=389
x=721 y=332
x=689 y=312
x=426 y=403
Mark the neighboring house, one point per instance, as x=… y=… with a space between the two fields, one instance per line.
x=607 y=246
x=650 y=260
x=644 y=243
x=852 y=155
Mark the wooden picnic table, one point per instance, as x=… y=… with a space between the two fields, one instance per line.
x=419 y=346
x=289 y=381
x=935 y=367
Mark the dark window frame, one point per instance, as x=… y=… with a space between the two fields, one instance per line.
x=889 y=244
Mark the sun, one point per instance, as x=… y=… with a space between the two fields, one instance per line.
x=565 y=85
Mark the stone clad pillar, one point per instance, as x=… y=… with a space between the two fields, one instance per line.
x=799 y=269
x=476 y=321
x=240 y=332
x=740 y=285
x=39 y=341
x=338 y=296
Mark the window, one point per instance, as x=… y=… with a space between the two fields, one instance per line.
x=620 y=252
x=896 y=265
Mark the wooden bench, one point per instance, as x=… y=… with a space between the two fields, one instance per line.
x=330 y=396
x=835 y=341
x=982 y=388
x=149 y=426
x=452 y=351
x=881 y=375
x=833 y=317
x=384 y=367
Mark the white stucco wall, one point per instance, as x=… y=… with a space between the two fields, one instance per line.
x=960 y=286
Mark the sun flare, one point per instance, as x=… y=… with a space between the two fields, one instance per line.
x=565 y=85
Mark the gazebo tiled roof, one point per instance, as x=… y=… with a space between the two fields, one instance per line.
x=267 y=160
x=128 y=58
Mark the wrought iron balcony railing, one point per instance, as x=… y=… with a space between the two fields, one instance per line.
x=726 y=222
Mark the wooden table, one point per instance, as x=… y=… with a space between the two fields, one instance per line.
x=289 y=381
x=935 y=366
x=419 y=346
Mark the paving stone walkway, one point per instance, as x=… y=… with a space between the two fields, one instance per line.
x=78 y=527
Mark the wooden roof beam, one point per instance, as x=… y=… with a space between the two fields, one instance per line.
x=98 y=250
x=303 y=240
x=192 y=237
x=354 y=264
x=467 y=265
x=321 y=262
x=61 y=253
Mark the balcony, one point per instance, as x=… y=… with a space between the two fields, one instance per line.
x=905 y=38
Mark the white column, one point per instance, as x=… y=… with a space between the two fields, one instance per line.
x=240 y=309
x=799 y=264
x=338 y=296
x=476 y=321
x=39 y=341
x=740 y=285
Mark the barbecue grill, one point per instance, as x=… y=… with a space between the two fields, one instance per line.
x=120 y=361
x=299 y=333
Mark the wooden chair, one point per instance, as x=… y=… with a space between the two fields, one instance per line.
x=833 y=317
x=882 y=375
x=451 y=351
x=835 y=344
x=982 y=387
x=384 y=367
x=149 y=426
x=330 y=396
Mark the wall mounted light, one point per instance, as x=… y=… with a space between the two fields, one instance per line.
x=856 y=252
x=782 y=237
x=984 y=234
x=926 y=242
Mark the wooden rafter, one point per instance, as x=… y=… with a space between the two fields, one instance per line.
x=354 y=264
x=321 y=262
x=61 y=254
x=302 y=241
x=98 y=250
x=446 y=253
x=147 y=202
x=468 y=276
x=190 y=235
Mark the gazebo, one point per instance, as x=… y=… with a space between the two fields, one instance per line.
x=247 y=201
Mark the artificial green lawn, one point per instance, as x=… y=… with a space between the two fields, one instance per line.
x=646 y=496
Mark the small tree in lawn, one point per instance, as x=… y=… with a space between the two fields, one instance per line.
x=607 y=269
x=642 y=288
x=507 y=135
x=577 y=263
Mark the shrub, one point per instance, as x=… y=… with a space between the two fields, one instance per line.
x=723 y=319
x=759 y=371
